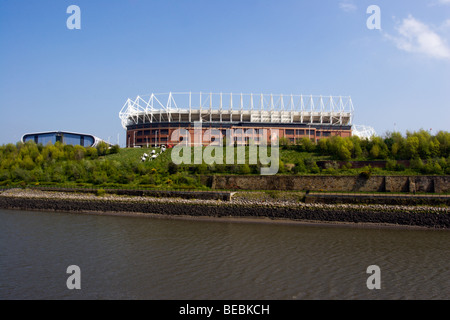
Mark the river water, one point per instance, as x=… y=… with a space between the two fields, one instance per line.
x=151 y=258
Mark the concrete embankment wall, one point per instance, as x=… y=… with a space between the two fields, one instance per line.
x=431 y=184
x=384 y=215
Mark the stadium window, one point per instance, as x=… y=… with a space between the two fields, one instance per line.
x=289 y=131
x=300 y=132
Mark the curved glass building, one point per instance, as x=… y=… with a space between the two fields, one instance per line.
x=85 y=140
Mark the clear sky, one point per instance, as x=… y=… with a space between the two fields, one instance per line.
x=54 y=78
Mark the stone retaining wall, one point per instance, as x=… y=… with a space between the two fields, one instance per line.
x=430 y=184
x=324 y=214
x=405 y=200
x=360 y=164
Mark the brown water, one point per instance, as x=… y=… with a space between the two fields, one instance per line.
x=147 y=258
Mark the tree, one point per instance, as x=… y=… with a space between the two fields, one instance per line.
x=27 y=163
x=340 y=148
x=412 y=147
x=79 y=152
x=284 y=142
x=102 y=148
x=435 y=148
x=375 y=151
x=305 y=144
x=357 y=150
x=343 y=152
x=444 y=143
x=322 y=146
x=395 y=148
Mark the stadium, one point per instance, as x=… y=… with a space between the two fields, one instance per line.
x=151 y=119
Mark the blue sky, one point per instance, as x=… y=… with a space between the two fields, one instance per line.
x=53 y=78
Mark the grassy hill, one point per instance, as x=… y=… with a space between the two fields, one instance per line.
x=30 y=164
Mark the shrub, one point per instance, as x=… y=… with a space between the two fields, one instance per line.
x=314 y=169
x=4 y=175
x=99 y=178
x=366 y=172
x=416 y=164
x=300 y=166
x=114 y=149
x=201 y=168
x=347 y=166
x=146 y=179
x=173 y=168
x=281 y=167
x=102 y=148
x=432 y=167
x=245 y=169
x=125 y=178
x=274 y=194
x=91 y=153
x=221 y=168
x=312 y=166
x=186 y=180
x=391 y=164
